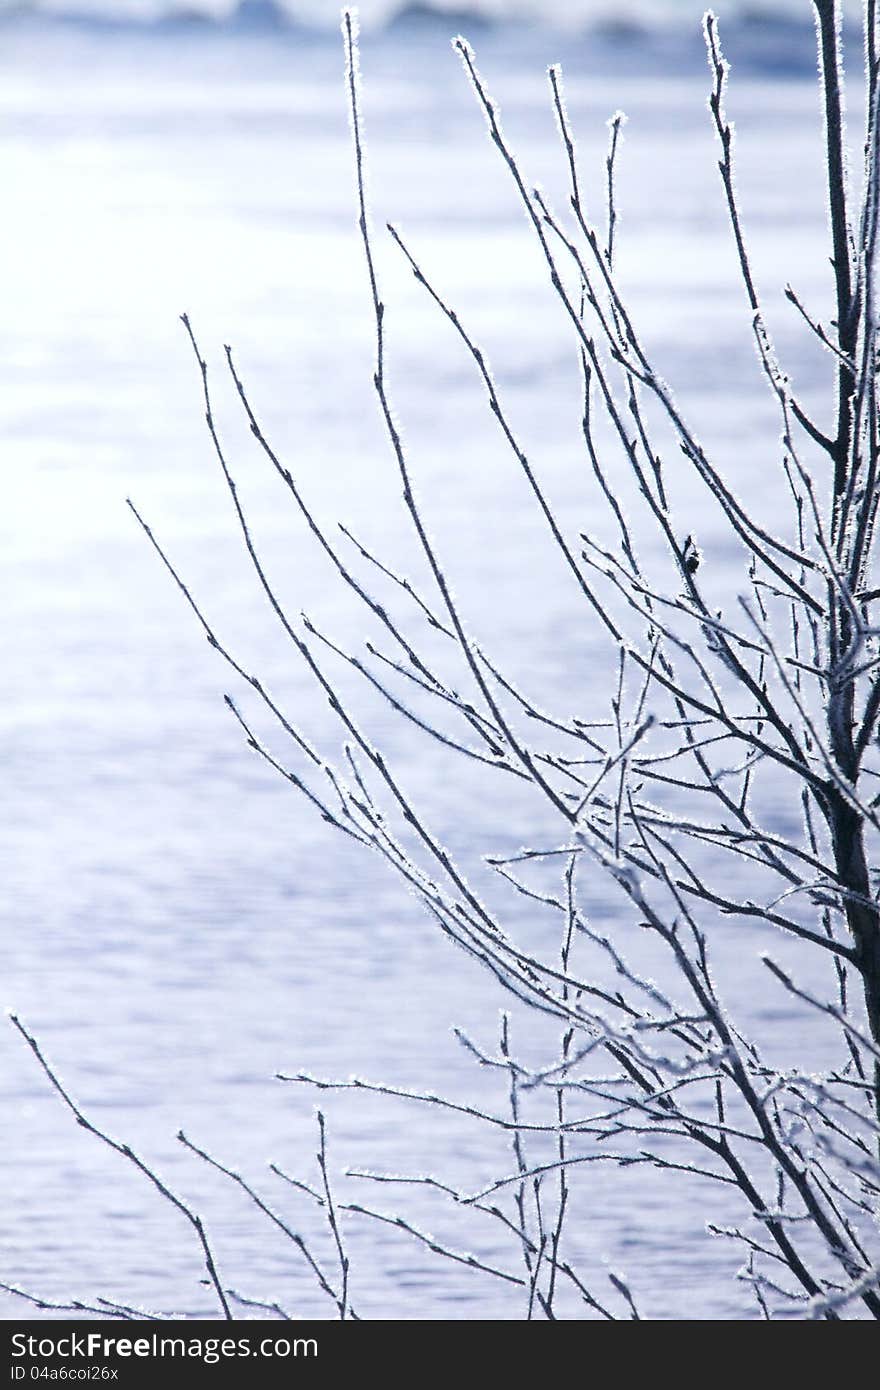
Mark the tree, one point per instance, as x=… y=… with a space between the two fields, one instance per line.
x=728 y=780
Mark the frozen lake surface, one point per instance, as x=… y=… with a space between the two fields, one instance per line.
x=177 y=925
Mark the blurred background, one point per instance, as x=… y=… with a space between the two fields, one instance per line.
x=177 y=925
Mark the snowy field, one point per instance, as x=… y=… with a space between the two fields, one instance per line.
x=177 y=927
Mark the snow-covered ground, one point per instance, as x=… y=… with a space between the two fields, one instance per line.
x=176 y=926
